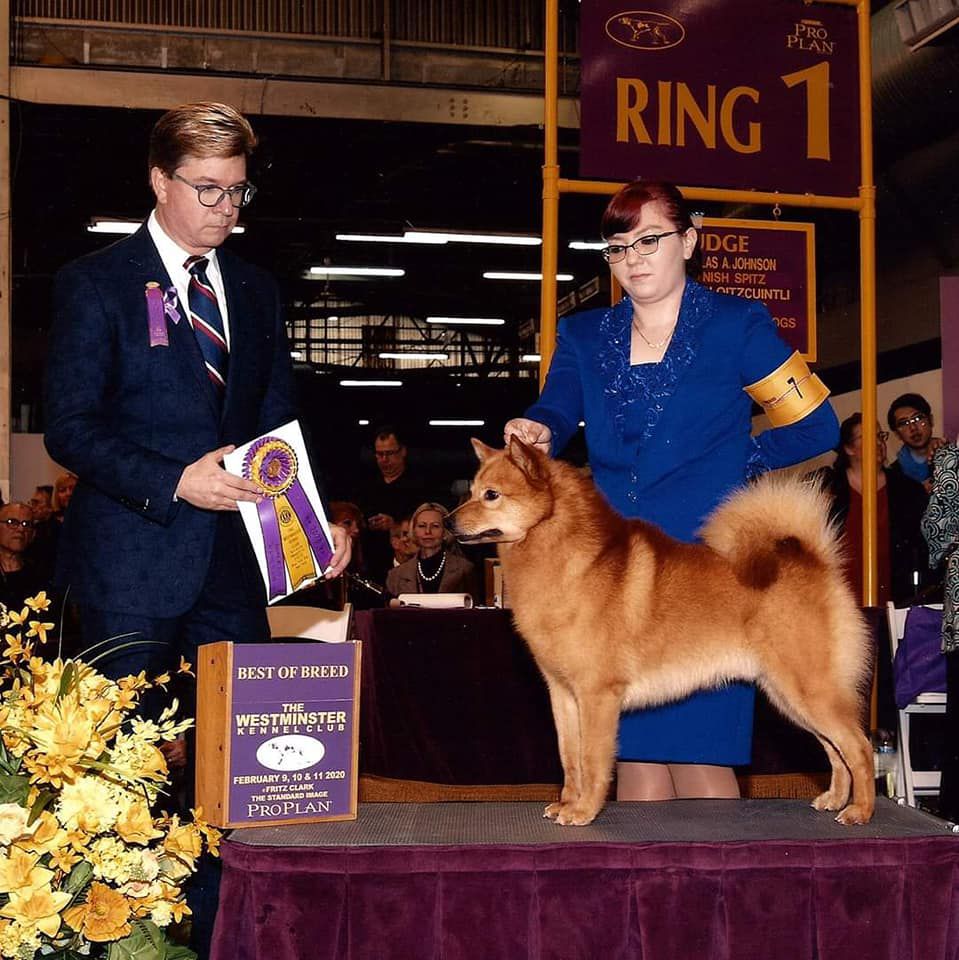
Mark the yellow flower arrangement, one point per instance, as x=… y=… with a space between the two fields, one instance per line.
x=87 y=867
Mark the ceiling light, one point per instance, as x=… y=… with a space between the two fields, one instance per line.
x=439 y=236
x=296 y=354
x=355 y=272
x=587 y=245
x=477 y=321
x=507 y=275
x=371 y=383
x=387 y=238
x=457 y=423
x=105 y=225
x=363 y=423
x=530 y=358
x=414 y=355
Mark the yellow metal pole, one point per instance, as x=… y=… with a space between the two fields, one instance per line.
x=607 y=188
x=550 y=255
x=867 y=297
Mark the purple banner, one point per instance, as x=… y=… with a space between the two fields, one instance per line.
x=293 y=732
x=747 y=95
x=773 y=263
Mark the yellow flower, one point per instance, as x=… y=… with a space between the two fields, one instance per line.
x=186 y=667
x=184 y=841
x=136 y=825
x=14 y=650
x=39 y=602
x=39 y=629
x=13 y=822
x=47 y=835
x=87 y=804
x=19 y=872
x=63 y=733
x=162 y=680
x=18 y=618
x=104 y=916
x=64 y=859
x=39 y=907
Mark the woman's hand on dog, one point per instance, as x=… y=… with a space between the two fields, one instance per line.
x=529 y=431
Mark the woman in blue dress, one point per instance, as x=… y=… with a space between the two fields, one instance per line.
x=665 y=381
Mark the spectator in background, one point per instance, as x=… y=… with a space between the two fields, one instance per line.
x=401 y=541
x=437 y=567
x=940 y=526
x=63 y=488
x=19 y=578
x=910 y=416
x=393 y=492
x=42 y=502
x=900 y=503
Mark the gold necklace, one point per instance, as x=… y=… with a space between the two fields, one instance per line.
x=659 y=344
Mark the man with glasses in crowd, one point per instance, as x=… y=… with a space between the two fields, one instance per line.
x=910 y=417
x=166 y=352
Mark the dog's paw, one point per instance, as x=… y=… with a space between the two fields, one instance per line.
x=828 y=801
x=551 y=811
x=854 y=813
x=574 y=815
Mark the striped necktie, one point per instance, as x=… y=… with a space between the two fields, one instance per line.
x=207 y=322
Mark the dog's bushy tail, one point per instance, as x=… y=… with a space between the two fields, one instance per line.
x=778 y=518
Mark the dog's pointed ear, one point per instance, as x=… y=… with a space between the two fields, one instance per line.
x=526 y=457
x=482 y=451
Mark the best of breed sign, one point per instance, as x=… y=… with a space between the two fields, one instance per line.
x=277 y=732
x=745 y=94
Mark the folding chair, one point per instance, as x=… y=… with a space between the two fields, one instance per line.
x=311 y=623
x=912 y=783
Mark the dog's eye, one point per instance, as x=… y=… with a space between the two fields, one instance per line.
x=490 y=495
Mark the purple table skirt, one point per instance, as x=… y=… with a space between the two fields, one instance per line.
x=829 y=900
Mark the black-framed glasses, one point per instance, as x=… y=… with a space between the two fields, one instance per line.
x=26 y=524
x=908 y=422
x=644 y=246
x=210 y=194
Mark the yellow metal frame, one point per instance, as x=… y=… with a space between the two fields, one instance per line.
x=809 y=229
x=864 y=204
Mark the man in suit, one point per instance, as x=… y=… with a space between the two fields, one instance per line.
x=166 y=352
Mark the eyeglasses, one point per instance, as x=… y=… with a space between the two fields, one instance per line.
x=915 y=418
x=644 y=246
x=26 y=524
x=209 y=194
x=386 y=454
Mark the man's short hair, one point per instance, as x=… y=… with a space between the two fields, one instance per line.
x=914 y=400
x=387 y=430
x=202 y=130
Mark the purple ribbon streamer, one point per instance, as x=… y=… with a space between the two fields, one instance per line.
x=272 y=547
x=156 y=317
x=303 y=509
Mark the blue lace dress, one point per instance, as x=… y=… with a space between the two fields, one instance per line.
x=667 y=441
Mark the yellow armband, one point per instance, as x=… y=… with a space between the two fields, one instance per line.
x=789 y=393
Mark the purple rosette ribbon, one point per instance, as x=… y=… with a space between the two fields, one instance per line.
x=292 y=534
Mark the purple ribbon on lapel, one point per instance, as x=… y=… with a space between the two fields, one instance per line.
x=292 y=534
x=161 y=304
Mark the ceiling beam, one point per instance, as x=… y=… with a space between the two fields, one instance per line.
x=143 y=90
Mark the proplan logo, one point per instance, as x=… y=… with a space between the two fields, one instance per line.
x=645 y=30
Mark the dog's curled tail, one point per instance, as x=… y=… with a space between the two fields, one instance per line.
x=777 y=518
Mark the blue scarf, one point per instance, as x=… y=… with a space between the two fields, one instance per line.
x=917 y=470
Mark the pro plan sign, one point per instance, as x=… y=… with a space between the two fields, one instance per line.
x=751 y=94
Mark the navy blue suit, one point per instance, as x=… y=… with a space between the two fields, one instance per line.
x=127 y=418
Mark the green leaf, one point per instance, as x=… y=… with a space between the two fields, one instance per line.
x=14 y=789
x=66 y=678
x=44 y=799
x=79 y=878
x=177 y=952
x=148 y=942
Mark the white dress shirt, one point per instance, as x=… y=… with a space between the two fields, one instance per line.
x=173 y=257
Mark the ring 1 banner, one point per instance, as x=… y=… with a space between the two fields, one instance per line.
x=744 y=94
x=769 y=261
